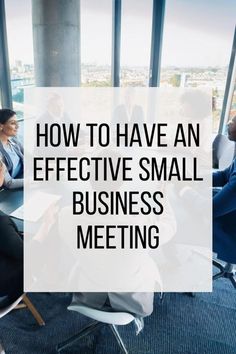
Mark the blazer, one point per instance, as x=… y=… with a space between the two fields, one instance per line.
x=224 y=214
x=9 y=182
x=18 y=148
x=11 y=259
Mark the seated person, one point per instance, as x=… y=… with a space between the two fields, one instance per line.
x=11 y=257
x=224 y=208
x=140 y=304
x=11 y=261
x=11 y=151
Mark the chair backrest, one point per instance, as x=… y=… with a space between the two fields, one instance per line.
x=224 y=152
x=115 y=318
x=5 y=310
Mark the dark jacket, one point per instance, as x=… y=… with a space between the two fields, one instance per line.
x=11 y=259
x=224 y=214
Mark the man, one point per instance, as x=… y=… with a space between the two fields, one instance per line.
x=224 y=208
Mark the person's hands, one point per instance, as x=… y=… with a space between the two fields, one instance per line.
x=48 y=220
x=50 y=217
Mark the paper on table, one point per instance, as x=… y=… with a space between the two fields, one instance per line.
x=35 y=207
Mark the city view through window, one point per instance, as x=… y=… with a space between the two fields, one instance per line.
x=197 y=42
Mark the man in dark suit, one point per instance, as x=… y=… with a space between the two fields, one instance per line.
x=224 y=207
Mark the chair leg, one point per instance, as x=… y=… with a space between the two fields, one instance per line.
x=162 y=295
x=219 y=275
x=191 y=294
x=83 y=333
x=33 y=311
x=226 y=271
x=118 y=338
x=233 y=280
x=20 y=306
x=229 y=268
x=218 y=265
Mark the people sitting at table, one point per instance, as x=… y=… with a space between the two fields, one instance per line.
x=224 y=207
x=11 y=151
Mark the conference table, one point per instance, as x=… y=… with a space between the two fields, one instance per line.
x=11 y=200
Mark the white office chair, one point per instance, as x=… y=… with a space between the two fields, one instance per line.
x=102 y=318
x=23 y=298
x=4 y=311
x=2 y=351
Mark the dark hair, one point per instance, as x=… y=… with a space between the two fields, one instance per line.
x=6 y=114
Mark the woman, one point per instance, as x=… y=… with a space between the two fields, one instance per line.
x=11 y=150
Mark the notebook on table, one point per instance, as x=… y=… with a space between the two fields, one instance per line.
x=35 y=207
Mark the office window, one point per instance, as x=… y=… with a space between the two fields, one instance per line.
x=232 y=112
x=197 y=42
x=20 y=48
x=96 y=39
x=136 y=28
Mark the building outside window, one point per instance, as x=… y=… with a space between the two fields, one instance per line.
x=20 y=48
x=96 y=42
x=197 y=42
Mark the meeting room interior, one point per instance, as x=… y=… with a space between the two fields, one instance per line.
x=166 y=44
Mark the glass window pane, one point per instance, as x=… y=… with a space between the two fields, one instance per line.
x=197 y=42
x=20 y=48
x=96 y=39
x=232 y=112
x=136 y=28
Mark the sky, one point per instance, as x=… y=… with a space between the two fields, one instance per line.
x=196 y=32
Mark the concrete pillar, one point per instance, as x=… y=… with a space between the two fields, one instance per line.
x=56 y=37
